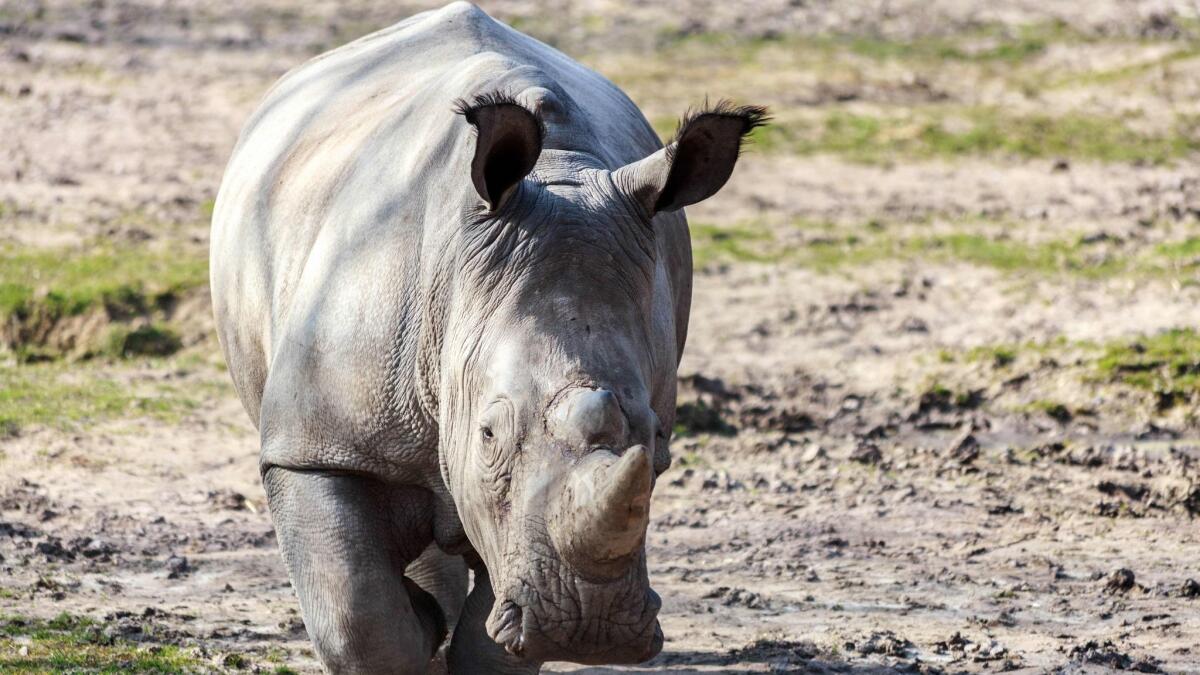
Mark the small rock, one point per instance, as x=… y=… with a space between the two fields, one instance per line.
x=964 y=449
x=293 y=627
x=1096 y=238
x=955 y=644
x=885 y=642
x=720 y=480
x=53 y=549
x=227 y=499
x=993 y=651
x=866 y=453
x=1106 y=654
x=737 y=596
x=780 y=486
x=1191 y=500
x=122 y=627
x=1152 y=432
x=97 y=549
x=1190 y=589
x=682 y=479
x=1120 y=581
x=812 y=453
x=177 y=566
x=1132 y=491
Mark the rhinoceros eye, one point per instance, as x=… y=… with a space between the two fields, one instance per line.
x=497 y=430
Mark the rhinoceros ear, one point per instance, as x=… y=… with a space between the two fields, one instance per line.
x=696 y=163
x=508 y=141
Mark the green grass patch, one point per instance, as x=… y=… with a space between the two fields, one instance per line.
x=41 y=287
x=62 y=397
x=70 y=643
x=837 y=249
x=988 y=44
x=149 y=340
x=1008 y=255
x=904 y=121
x=1167 y=364
x=951 y=132
x=1003 y=255
x=737 y=243
x=1059 y=412
x=67 y=282
x=999 y=356
x=1121 y=74
x=939 y=396
x=1187 y=250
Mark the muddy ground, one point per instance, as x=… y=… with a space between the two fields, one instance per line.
x=940 y=405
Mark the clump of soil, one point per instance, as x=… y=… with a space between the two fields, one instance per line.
x=1106 y=654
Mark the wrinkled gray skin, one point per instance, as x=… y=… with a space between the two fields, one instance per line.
x=459 y=339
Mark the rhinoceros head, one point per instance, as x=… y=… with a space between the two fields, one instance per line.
x=559 y=343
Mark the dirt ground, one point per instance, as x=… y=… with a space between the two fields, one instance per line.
x=940 y=405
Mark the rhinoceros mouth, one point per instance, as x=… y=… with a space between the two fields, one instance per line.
x=590 y=624
x=509 y=629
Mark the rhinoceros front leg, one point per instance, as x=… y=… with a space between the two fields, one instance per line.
x=444 y=576
x=345 y=544
x=471 y=650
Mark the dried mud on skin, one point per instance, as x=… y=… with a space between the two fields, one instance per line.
x=886 y=462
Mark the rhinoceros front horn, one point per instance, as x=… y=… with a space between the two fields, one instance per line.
x=601 y=518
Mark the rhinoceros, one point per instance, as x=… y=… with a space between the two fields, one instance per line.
x=451 y=279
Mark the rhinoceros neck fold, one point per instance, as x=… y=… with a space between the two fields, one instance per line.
x=564 y=167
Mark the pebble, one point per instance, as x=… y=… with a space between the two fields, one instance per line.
x=177 y=566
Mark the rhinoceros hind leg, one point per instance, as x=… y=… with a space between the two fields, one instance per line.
x=346 y=541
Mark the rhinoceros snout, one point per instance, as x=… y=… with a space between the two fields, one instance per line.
x=575 y=586
x=542 y=633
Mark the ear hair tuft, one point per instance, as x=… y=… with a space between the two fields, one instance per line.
x=752 y=116
x=469 y=109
